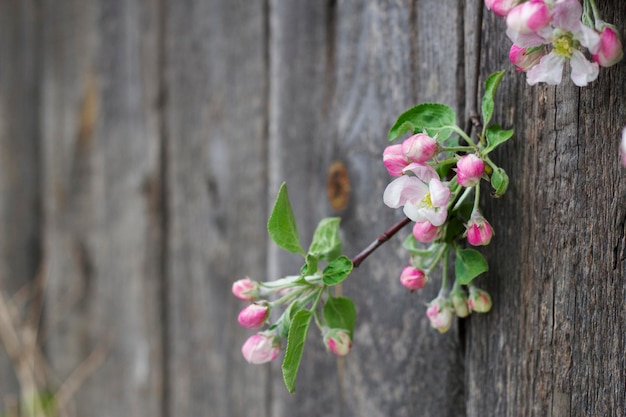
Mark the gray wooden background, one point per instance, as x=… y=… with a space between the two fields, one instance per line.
x=142 y=143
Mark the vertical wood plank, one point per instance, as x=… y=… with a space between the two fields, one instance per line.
x=551 y=344
x=20 y=214
x=101 y=144
x=216 y=165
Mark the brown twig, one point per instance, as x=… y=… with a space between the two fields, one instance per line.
x=385 y=236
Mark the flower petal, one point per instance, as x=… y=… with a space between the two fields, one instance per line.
x=583 y=71
x=566 y=14
x=548 y=70
x=404 y=189
x=439 y=193
x=422 y=171
x=436 y=216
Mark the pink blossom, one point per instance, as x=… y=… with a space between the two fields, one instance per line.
x=254 y=316
x=469 y=170
x=338 y=341
x=526 y=19
x=525 y=58
x=479 y=300
x=261 y=348
x=419 y=147
x=622 y=147
x=440 y=314
x=610 y=49
x=501 y=7
x=479 y=231
x=245 y=289
x=413 y=278
x=424 y=231
x=394 y=160
x=423 y=196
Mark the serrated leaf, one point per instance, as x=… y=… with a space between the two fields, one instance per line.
x=281 y=225
x=340 y=313
x=496 y=136
x=295 y=346
x=487 y=105
x=337 y=270
x=499 y=182
x=469 y=263
x=433 y=117
x=326 y=243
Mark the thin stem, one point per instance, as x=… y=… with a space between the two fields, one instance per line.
x=444 y=273
x=457 y=148
x=477 y=198
x=462 y=198
x=385 y=236
x=463 y=135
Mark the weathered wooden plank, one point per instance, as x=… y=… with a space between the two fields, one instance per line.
x=391 y=56
x=20 y=216
x=216 y=168
x=551 y=346
x=101 y=194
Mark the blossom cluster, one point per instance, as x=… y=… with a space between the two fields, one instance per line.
x=548 y=33
x=437 y=207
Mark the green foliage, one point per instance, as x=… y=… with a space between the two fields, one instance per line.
x=499 y=181
x=337 y=270
x=496 y=136
x=340 y=313
x=281 y=225
x=295 y=345
x=487 y=105
x=326 y=243
x=469 y=263
x=434 y=118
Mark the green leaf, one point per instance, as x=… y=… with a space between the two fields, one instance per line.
x=454 y=228
x=469 y=263
x=326 y=243
x=340 y=313
x=443 y=168
x=310 y=267
x=491 y=85
x=496 y=136
x=433 y=117
x=295 y=345
x=281 y=225
x=337 y=270
x=499 y=182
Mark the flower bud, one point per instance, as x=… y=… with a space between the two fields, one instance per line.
x=338 y=341
x=246 y=289
x=459 y=302
x=479 y=231
x=501 y=7
x=529 y=17
x=261 y=348
x=439 y=313
x=424 y=231
x=254 y=316
x=419 y=148
x=394 y=160
x=479 y=300
x=413 y=278
x=622 y=147
x=525 y=58
x=610 y=47
x=469 y=170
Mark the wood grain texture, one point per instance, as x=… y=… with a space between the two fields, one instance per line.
x=101 y=144
x=20 y=216
x=216 y=169
x=551 y=346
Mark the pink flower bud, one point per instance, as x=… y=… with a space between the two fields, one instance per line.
x=529 y=17
x=479 y=231
x=479 y=300
x=413 y=278
x=459 y=302
x=419 y=148
x=338 y=341
x=424 y=231
x=439 y=313
x=525 y=58
x=261 y=348
x=394 y=160
x=622 y=147
x=610 y=49
x=469 y=170
x=501 y=7
x=246 y=289
x=254 y=316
